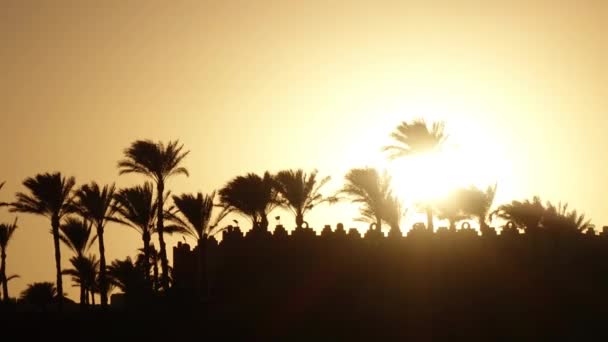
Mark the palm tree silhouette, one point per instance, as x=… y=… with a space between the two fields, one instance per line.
x=137 y=209
x=452 y=208
x=125 y=275
x=51 y=196
x=252 y=196
x=392 y=213
x=195 y=220
x=372 y=190
x=478 y=203
x=96 y=204
x=151 y=262
x=40 y=295
x=299 y=191
x=6 y=233
x=158 y=162
x=76 y=235
x=84 y=273
x=527 y=214
x=414 y=138
x=558 y=218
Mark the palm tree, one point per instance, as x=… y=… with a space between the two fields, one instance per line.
x=76 y=235
x=125 y=275
x=40 y=295
x=158 y=162
x=452 y=208
x=137 y=209
x=392 y=213
x=195 y=219
x=96 y=204
x=558 y=218
x=372 y=190
x=6 y=232
x=413 y=138
x=478 y=203
x=152 y=262
x=252 y=196
x=527 y=214
x=84 y=273
x=51 y=196
x=299 y=191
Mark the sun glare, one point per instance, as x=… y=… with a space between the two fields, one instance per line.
x=431 y=176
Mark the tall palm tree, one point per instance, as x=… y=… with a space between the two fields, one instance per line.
x=137 y=209
x=76 y=235
x=477 y=203
x=252 y=196
x=96 y=204
x=527 y=214
x=6 y=233
x=372 y=190
x=195 y=216
x=299 y=191
x=414 y=138
x=158 y=162
x=50 y=196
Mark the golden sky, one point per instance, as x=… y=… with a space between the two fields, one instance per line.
x=267 y=85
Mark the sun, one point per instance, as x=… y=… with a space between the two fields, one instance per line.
x=431 y=176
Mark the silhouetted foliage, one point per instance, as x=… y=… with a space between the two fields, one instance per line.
x=373 y=192
x=128 y=277
x=252 y=196
x=84 y=273
x=557 y=217
x=50 y=196
x=478 y=203
x=414 y=138
x=96 y=204
x=40 y=295
x=194 y=217
x=6 y=233
x=158 y=162
x=76 y=235
x=299 y=192
x=452 y=207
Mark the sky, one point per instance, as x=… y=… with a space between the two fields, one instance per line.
x=249 y=86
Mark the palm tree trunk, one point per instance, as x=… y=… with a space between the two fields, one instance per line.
x=146 y=239
x=103 y=294
x=93 y=297
x=429 y=219
x=264 y=222
x=3 y=279
x=155 y=274
x=299 y=220
x=164 y=264
x=83 y=297
x=452 y=224
x=55 y=227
